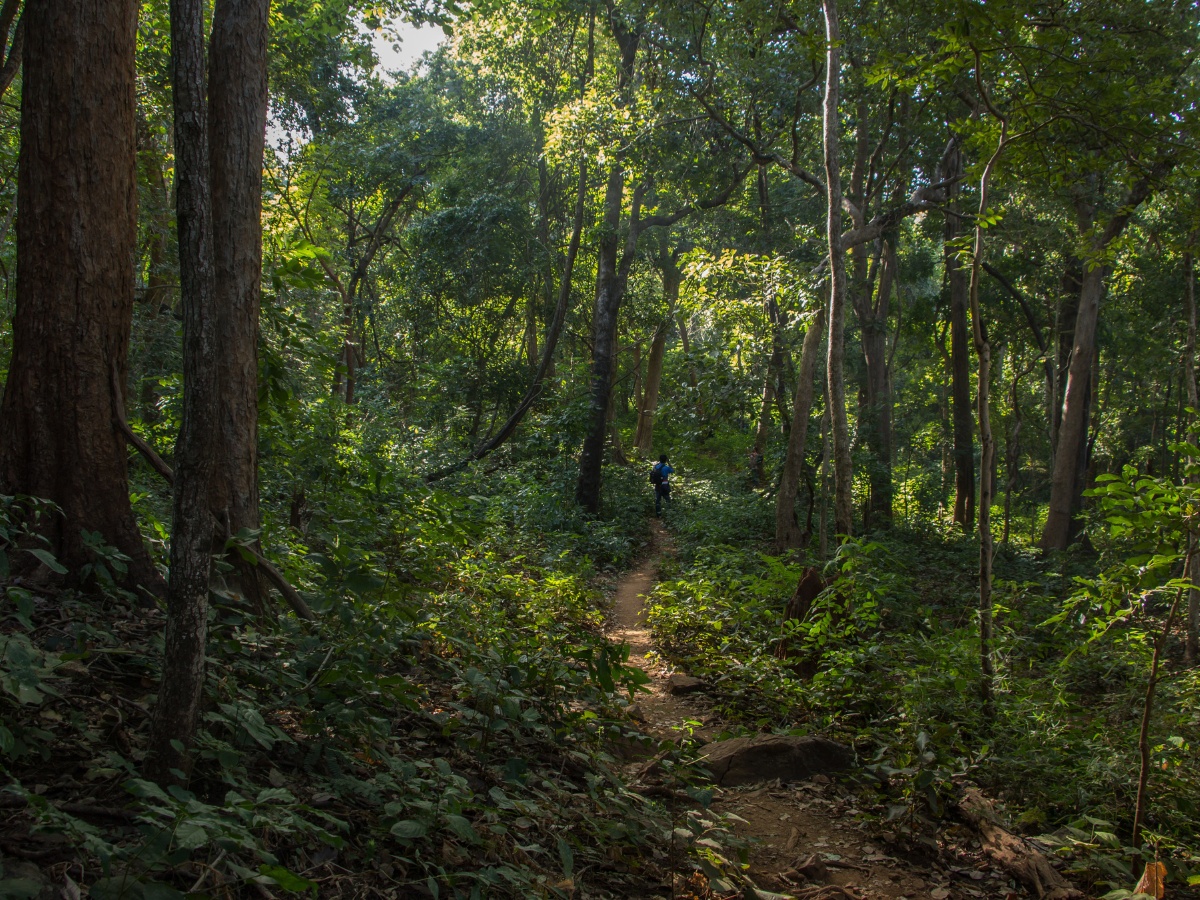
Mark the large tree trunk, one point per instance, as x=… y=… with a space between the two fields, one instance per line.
x=604 y=332
x=76 y=239
x=843 y=473
x=960 y=369
x=178 y=707
x=788 y=533
x=1071 y=447
x=610 y=287
x=1065 y=484
x=237 y=121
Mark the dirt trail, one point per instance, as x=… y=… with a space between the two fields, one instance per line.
x=789 y=824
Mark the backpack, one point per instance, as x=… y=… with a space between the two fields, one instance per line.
x=656 y=474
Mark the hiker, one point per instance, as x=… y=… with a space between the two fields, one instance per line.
x=660 y=477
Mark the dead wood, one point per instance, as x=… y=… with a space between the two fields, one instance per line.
x=1013 y=854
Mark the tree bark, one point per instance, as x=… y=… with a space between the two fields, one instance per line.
x=604 y=330
x=672 y=277
x=763 y=428
x=178 y=706
x=610 y=288
x=1066 y=485
x=12 y=62
x=76 y=240
x=843 y=474
x=788 y=534
x=237 y=131
x=983 y=352
x=693 y=381
x=1192 y=643
x=875 y=419
x=960 y=369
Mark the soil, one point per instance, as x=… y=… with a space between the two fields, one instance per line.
x=787 y=825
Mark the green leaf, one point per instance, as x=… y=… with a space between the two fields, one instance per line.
x=462 y=829
x=286 y=879
x=409 y=829
x=566 y=856
x=48 y=559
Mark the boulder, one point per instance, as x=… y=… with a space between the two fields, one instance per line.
x=766 y=757
x=684 y=684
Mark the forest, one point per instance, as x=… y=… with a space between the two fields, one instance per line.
x=635 y=449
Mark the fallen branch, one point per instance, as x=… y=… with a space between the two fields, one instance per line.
x=1011 y=853
x=290 y=594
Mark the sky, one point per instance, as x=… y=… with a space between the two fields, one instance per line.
x=414 y=41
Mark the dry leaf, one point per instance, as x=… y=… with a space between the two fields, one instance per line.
x=1152 y=880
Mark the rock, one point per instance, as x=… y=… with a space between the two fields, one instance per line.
x=768 y=756
x=814 y=869
x=684 y=684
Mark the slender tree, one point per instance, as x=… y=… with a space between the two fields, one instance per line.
x=960 y=370
x=178 y=707
x=987 y=442
x=1192 y=643
x=788 y=533
x=843 y=474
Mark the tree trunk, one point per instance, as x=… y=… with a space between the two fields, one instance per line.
x=823 y=539
x=12 y=61
x=604 y=334
x=645 y=437
x=843 y=474
x=610 y=287
x=178 y=707
x=76 y=240
x=1012 y=454
x=693 y=381
x=960 y=372
x=983 y=352
x=787 y=530
x=875 y=420
x=763 y=429
x=638 y=390
x=237 y=130
x=1192 y=644
x=1065 y=485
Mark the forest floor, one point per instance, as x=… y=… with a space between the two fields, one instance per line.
x=818 y=839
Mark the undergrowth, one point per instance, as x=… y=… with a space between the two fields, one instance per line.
x=446 y=729
x=888 y=660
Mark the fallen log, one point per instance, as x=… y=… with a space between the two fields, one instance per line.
x=1014 y=855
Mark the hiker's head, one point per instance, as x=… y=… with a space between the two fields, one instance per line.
x=663 y=458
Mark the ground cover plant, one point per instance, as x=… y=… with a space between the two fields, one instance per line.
x=333 y=372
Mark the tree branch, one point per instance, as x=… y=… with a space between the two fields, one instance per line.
x=290 y=594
